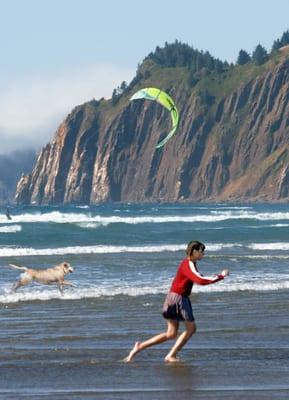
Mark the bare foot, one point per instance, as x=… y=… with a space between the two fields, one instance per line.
x=171 y=359
x=133 y=352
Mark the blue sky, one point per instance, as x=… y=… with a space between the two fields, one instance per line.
x=58 y=54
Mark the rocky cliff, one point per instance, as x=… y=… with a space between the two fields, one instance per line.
x=231 y=144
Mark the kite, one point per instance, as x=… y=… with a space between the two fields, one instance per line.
x=165 y=100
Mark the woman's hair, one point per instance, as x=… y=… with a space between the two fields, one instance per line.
x=194 y=245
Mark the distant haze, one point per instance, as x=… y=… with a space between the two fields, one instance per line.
x=31 y=109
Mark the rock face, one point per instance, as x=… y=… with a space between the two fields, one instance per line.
x=233 y=148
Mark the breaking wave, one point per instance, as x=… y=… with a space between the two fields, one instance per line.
x=87 y=220
x=10 y=228
x=136 y=289
x=10 y=251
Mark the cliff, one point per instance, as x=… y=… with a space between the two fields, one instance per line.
x=231 y=144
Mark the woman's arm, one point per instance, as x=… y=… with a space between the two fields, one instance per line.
x=196 y=277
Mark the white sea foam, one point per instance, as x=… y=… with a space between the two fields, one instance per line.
x=76 y=218
x=29 y=251
x=263 y=257
x=251 y=286
x=89 y=225
x=44 y=294
x=280 y=225
x=224 y=207
x=10 y=228
x=284 y=246
x=272 y=216
x=220 y=246
x=136 y=289
x=10 y=251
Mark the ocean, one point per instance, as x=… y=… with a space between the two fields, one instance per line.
x=124 y=256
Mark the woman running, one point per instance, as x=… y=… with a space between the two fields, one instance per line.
x=177 y=306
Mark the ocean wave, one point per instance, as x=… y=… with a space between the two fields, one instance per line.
x=29 y=251
x=10 y=228
x=257 y=257
x=265 y=216
x=84 y=218
x=44 y=294
x=10 y=251
x=89 y=225
x=284 y=246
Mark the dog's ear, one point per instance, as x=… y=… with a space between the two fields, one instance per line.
x=66 y=267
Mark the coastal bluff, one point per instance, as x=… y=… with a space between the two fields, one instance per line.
x=232 y=143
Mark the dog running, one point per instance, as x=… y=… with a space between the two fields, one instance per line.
x=45 y=276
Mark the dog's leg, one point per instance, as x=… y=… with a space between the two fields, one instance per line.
x=60 y=287
x=68 y=283
x=16 y=286
x=23 y=281
x=64 y=283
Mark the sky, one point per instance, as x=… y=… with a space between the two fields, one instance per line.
x=57 y=54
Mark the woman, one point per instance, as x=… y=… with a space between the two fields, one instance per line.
x=177 y=306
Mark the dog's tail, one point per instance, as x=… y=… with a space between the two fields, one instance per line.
x=18 y=267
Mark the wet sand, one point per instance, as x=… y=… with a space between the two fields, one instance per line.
x=73 y=349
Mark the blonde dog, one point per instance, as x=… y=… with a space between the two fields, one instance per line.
x=44 y=276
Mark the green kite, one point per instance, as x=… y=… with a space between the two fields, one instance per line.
x=165 y=100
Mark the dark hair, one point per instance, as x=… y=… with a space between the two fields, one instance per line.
x=194 y=245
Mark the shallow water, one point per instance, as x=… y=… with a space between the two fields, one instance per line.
x=71 y=346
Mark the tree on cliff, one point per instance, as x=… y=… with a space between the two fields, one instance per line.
x=243 y=57
x=260 y=55
x=179 y=54
x=283 y=41
x=118 y=92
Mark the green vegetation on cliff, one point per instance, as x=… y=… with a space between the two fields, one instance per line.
x=178 y=64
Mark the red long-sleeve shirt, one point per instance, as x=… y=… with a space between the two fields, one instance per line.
x=188 y=274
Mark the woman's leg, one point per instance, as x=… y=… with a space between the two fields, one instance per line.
x=171 y=333
x=181 y=341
